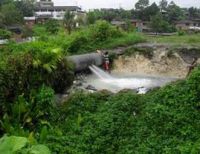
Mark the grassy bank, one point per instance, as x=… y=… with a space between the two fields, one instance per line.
x=187 y=39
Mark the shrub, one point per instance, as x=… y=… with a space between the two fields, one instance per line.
x=18 y=114
x=52 y=26
x=4 y=34
x=77 y=43
x=181 y=33
x=39 y=30
x=29 y=70
x=27 y=32
x=102 y=30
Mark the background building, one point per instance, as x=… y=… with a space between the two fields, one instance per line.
x=45 y=9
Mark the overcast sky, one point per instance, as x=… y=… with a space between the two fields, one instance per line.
x=126 y=4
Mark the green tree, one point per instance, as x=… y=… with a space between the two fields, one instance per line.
x=151 y=10
x=108 y=15
x=69 y=21
x=159 y=25
x=91 y=18
x=174 y=12
x=144 y=13
x=4 y=34
x=163 y=5
x=2 y=2
x=194 y=12
x=26 y=7
x=52 y=26
x=11 y=15
x=142 y=4
x=124 y=14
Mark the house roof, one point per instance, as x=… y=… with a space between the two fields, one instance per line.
x=188 y=21
x=52 y=8
x=117 y=22
x=139 y=21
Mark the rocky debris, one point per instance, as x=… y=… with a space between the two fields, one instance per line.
x=91 y=88
x=128 y=90
x=142 y=90
x=77 y=83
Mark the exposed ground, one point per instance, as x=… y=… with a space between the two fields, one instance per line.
x=162 y=60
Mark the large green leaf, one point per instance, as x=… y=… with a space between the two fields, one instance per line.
x=39 y=149
x=12 y=144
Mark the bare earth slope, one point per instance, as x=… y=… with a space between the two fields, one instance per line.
x=164 y=62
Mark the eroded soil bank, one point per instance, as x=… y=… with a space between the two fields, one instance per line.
x=157 y=60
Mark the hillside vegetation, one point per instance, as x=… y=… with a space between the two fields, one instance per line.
x=163 y=121
x=100 y=35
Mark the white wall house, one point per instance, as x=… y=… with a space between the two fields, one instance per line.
x=46 y=9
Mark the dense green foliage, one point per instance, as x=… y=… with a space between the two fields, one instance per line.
x=170 y=13
x=26 y=72
x=165 y=120
x=12 y=12
x=158 y=24
x=10 y=15
x=4 y=34
x=30 y=74
x=108 y=15
x=26 y=7
x=68 y=21
x=100 y=35
x=162 y=121
x=52 y=26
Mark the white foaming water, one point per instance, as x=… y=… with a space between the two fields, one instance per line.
x=99 y=72
x=114 y=84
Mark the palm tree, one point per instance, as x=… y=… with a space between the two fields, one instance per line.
x=69 y=21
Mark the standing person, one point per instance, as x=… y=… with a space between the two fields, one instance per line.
x=106 y=61
x=192 y=66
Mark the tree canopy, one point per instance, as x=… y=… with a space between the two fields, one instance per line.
x=142 y=4
x=163 y=5
x=26 y=7
x=11 y=14
x=174 y=12
x=69 y=21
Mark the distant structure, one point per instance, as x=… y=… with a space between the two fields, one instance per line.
x=45 y=9
x=190 y=24
x=141 y=26
x=144 y=26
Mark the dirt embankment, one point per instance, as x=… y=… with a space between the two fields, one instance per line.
x=164 y=61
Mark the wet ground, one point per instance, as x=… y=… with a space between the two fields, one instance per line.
x=117 y=82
